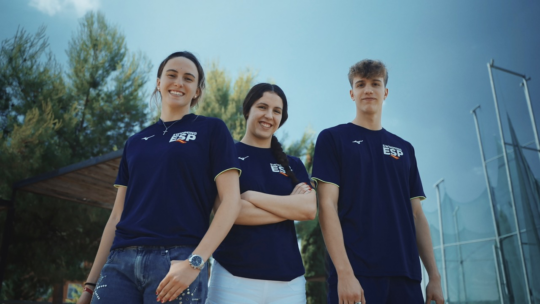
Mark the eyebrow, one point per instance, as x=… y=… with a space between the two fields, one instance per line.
x=264 y=103
x=173 y=70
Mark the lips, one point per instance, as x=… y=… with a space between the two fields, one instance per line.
x=176 y=93
x=265 y=124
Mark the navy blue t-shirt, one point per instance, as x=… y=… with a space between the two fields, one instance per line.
x=170 y=179
x=264 y=252
x=377 y=176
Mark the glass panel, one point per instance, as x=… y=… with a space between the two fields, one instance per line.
x=479 y=272
x=513 y=270
x=501 y=196
x=454 y=272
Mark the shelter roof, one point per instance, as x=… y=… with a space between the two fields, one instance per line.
x=89 y=182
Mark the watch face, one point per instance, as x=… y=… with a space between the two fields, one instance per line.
x=196 y=261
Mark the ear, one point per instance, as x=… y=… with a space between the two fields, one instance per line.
x=198 y=92
x=352 y=94
x=158 y=82
x=385 y=93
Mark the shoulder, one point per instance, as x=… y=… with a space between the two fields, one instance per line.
x=334 y=131
x=295 y=162
x=212 y=122
x=334 y=134
x=399 y=139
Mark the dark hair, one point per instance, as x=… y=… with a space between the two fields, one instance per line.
x=254 y=94
x=369 y=69
x=201 y=82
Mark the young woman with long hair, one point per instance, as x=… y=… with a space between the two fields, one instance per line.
x=259 y=260
x=158 y=238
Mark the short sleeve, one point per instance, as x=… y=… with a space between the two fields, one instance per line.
x=222 y=151
x=326 y=167
x=299 y=170
x=122 y=178
x=415 y=184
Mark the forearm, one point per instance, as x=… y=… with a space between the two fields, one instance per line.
x=333 y=238
x=225 y=215
x=250 y=215
x=299 y=207
x=425 y=247
x=103 y=250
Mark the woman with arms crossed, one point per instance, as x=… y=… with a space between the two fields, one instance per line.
x=259 y=260
x=157 y=239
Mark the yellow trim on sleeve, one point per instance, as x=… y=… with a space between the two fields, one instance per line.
x=316 y=180
x=118 y=186
x=233 y=168
x=420 y=197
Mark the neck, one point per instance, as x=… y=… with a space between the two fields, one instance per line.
x=168 y=114
x=256 y=142
x=368 y=120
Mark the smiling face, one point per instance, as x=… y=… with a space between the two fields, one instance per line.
x=178 y=83
x=264 y=117
x=368 y=94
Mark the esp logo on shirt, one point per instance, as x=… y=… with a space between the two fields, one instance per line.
x=184 y=137
x=392 y=151
x=278 y=169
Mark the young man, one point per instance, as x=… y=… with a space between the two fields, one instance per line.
x=370 y=213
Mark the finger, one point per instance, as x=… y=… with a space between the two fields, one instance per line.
x=170 y=293
x=164 y=290
x=177 y=293
x=363 y=298
x=428 y=298
x=162 y=284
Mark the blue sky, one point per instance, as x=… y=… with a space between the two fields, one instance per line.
x=436 y=53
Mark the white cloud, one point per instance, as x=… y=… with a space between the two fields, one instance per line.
x=51 y=7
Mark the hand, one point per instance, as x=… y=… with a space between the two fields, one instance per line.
x=301 y=188
x=85 y=297
x=350 y=291
x=180 y=276
x=434 y=292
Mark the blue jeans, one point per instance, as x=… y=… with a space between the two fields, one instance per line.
x=132 y=275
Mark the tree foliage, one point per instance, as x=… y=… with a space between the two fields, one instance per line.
x=49 y=118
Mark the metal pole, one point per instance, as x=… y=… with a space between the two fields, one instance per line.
x=498 y=275
x=442 y=240
x=460 y=258
x=510 y=185
x=533 y=121
x=490 y=195
x=6 y=239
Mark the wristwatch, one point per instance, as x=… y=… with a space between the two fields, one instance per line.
x=196 y=261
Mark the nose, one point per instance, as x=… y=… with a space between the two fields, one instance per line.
x=179 y=82
x=268 y=114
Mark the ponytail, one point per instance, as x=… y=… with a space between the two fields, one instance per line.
x=281 y=157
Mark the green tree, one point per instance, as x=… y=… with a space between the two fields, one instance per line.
x=48 y=121
x=225 y=102
x=106 y=83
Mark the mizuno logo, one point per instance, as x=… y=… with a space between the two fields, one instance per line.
x=146 y=138
x=357 y=141
x=243 y=158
